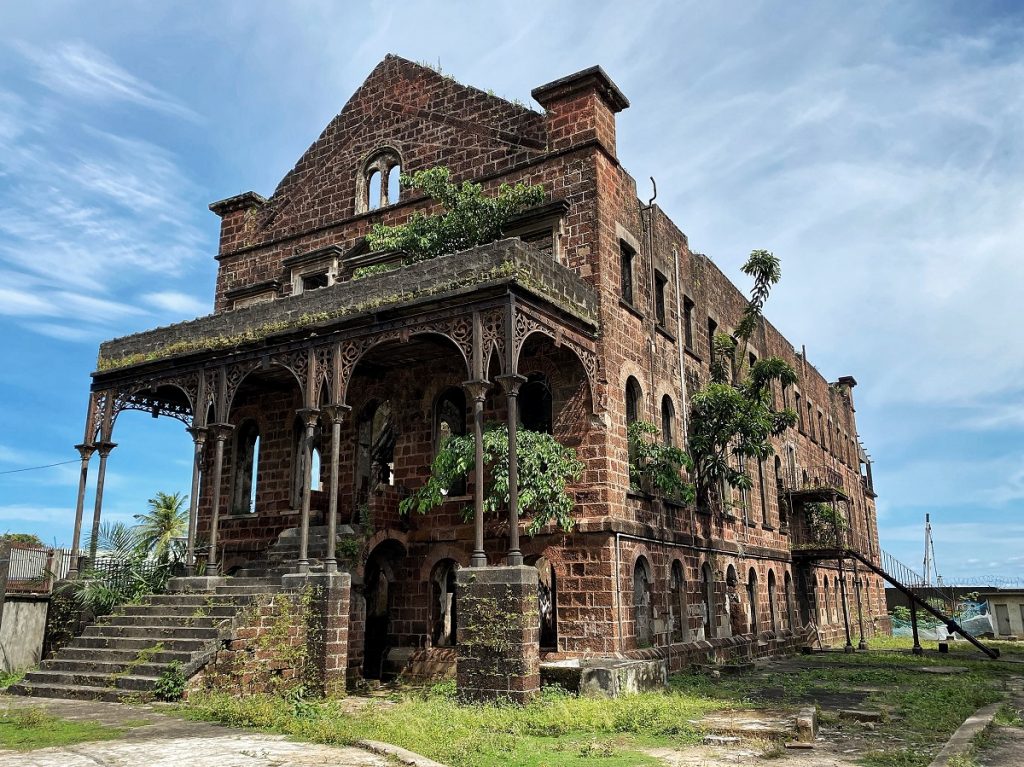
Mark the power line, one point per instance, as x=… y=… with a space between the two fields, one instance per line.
x=36 y=468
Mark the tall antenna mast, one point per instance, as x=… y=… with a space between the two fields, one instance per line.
x=927 y=549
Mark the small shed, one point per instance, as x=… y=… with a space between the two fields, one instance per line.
x=1006 y=606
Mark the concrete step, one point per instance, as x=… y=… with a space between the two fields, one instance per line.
x=167 y=621
x=247 y=590
x=169 y=609
x=131 y=681
x=70 y=691
x=193 y=600
x=153 y=633
x=105 y=667
x=105 y=655
x=135 y=644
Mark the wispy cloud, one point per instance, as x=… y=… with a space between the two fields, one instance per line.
x=80 y=70
x=176 y=303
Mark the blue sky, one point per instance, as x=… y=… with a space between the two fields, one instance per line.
x=877 y=148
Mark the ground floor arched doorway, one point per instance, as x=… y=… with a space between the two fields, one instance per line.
x=379 y=589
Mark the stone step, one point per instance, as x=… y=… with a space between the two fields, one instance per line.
x=167 y=621
x=105 y=655
x=153 y=633
x=105 y=667
x=247 y=590
x=43 y=678
x=136 y=643
x=194 y=600
x=186 y=611
x=70 y=692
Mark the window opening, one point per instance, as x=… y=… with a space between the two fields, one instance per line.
x=374 y=186
x=535 y=404
x=626 y=254
x=668 y=420
x=547 y=603
x=443 y=616
x=659 y=298
x=677 y=605
x=642 y=602
x=688 y=322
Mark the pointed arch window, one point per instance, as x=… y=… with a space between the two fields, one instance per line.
x=247 y=448
x=668 y=421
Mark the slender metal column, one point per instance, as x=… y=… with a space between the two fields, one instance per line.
x=104 y=450
x=478 y=391
x=846 y=608
x=336 y=414
x=219 y=432
x=198 y=442
x=309 y=417
x=917 y=649
x=85 y=451
x=857 y=583
x=511 y=384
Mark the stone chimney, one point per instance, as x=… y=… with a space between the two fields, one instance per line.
x=580 y=108
x=237 y=219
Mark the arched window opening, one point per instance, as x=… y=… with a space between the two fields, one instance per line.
x=762 y=487
x=836 y=591
x=668 y=421
x=642 y=602
x=677 y=605
x=547 y=602
x=734 y=618
x=247 y=448
x=443 y=616
x=779 y=486
x=535 y=404
x=375 y=456
x=379 y=185
x=707 y=594
x=394 y=188
x=752 y=600
x=303 y=474
x=772 y=618
x=825 y=602
x=634 y=397
x=450 y=421
x=374 y=191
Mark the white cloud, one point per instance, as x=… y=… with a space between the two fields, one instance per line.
x=177 y=303
x=77 y=69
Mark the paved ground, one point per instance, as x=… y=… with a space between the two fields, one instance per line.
x=159 y=739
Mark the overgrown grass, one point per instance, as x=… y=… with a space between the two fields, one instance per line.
x=30 y=728
x=1006 y=648
x=7 y=678
x=556 y=730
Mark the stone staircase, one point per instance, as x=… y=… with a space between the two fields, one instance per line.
x=123 y=655
x=281 y=556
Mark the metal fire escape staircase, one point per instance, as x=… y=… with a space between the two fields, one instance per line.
x=822 y=484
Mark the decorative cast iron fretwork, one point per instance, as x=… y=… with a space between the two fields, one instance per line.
x=151 y=402
x=493 y=322
x=233 y=376
x=527 y=322
x=323 y=375
x=296 y=361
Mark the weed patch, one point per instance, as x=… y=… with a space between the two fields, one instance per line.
x=31 y=728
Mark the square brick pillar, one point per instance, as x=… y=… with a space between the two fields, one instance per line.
x=498 y=634
x=326 y=628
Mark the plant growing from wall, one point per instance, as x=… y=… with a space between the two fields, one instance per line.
x=470 y=217
x=733 y=415
x=546 y=467
x=825 y=523
x=656 y=465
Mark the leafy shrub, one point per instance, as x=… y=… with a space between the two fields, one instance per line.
x=170 y=685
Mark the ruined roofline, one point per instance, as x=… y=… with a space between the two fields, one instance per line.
x=591 y=77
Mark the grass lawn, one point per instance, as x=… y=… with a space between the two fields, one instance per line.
x=559 y=730
x=31 y=728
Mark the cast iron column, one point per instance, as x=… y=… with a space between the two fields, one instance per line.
x=917 y=649
x=104 y=448
x=511 y=384
x=85 y=451
x=219 y=432
x=857 y=583
x=478 y=391
x=846 y=607
x=309 y=417
x=198 y=442
x=336 y=413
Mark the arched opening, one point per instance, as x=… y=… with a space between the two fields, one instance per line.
x=823 y=611
x=246 y=467
x=547 y=602
x=634 y=398
x=373 y=190
x=375 y=453
x=379 y=586
x=450 y=421
x=752 y=600
x=394 y=184
x=707 y=593
x=535 y=404
x=668 y=421
x=301 y=473
x=642 y=602
x=772 y=617
x=735 y=619
x=836 y=611
x=677 y=604
x=443 y=616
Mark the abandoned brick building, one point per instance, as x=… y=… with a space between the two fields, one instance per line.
x=317 y=398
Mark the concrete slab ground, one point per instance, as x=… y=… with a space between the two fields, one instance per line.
x=159 y=739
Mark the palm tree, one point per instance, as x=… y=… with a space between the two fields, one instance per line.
x=163 y=525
